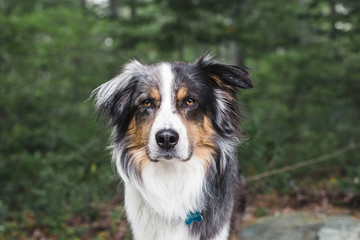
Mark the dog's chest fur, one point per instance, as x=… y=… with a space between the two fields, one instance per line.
x=158 y=207
x=167 y=193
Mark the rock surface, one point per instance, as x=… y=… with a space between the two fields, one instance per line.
x=303 y=226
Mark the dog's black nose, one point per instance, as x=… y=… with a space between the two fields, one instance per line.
x=167 y=139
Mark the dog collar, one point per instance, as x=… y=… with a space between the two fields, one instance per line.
x=194 y=216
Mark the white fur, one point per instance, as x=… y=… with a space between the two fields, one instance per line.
x=226 y=145
x=148 y=225
x=223 y=234
x=157 y=207
x=167 y=118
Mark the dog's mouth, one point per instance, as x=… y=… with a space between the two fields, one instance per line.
x=169 y=156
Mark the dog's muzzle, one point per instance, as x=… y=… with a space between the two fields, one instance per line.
x=167 y=144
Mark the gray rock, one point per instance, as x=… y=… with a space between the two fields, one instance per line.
x=340 y=228
x=303 y=226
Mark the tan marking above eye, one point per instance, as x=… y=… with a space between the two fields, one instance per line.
x=182 y=93
x=155 y=95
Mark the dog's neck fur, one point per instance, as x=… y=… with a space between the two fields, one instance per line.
x=171 y=189
x=157 y=207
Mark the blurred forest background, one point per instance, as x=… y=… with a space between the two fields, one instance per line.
x=56 y=180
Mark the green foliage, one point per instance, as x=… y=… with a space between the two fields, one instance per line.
x=303 y=55
x=260 y=211
x=52 y=157
x=308 y=114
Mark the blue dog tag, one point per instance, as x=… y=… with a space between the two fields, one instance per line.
x=193 y=216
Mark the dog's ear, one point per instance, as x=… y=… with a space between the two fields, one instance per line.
x=226 y=80
x=113 y=98
x=225 y=76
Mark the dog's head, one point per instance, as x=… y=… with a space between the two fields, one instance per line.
x=172 y=111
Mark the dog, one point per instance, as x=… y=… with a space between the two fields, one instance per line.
x=175 y=131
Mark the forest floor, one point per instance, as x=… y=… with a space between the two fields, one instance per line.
x=261 y=205
x=110 y=221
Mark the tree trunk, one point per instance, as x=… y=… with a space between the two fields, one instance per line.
x=303 y=28
x=334 y=32
x=83 y=5
x=181 y=48
x=9 y=6
x=222 y=52
x=133 y=8
x=236 y=56
x=113 y=9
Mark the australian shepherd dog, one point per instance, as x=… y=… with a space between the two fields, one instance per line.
x=174 y=144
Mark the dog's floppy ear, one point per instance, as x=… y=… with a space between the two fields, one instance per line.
x=113 y=98
x=227 y=80
x=225 y=76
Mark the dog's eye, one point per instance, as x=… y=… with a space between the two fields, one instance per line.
x=190 y=101
x=147 y=103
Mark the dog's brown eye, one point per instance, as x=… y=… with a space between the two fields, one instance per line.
x=190 y=101
x=147 y=103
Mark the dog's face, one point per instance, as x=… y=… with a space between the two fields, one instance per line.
x=172 y=111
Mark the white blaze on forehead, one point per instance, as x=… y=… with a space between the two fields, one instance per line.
x=167 y=78
x=167 y=116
